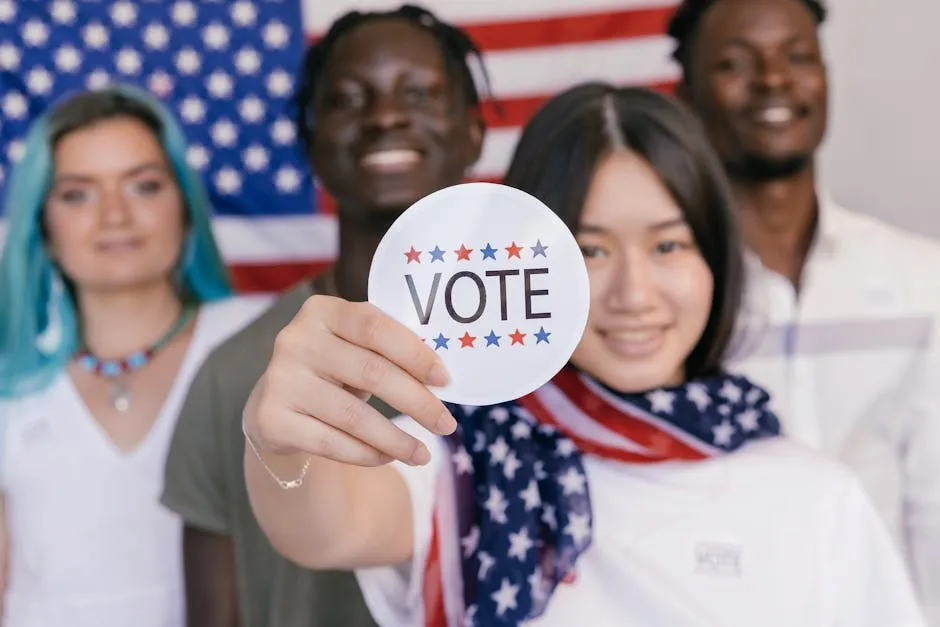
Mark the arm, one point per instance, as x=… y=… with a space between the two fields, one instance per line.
x=211 y=590
x=195 y=489
x=310 y=405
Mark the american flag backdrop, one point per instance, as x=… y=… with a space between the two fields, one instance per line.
x=226 y=68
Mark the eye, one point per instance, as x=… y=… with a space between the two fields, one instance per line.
x=345 y=99
x=668 y=246
x=149 y=187
x=74 y=196
x=417 y=95
x=592 y=252
x=802 y=57
x=733 y=64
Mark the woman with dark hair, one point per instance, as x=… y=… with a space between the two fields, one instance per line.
x=112 y=292
x=647 y=486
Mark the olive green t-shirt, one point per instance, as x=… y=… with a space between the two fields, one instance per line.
x=205 y=485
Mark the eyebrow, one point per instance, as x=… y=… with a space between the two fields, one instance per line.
x=740 y=41
x=140 y=169
x=656 y=226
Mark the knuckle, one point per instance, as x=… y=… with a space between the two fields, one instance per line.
x=349 y=417
x=371 y=325
x=322 y=444
x=266 y=426
x=372 y=373
x=284 y=342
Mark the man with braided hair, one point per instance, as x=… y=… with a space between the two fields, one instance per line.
x=388 y=112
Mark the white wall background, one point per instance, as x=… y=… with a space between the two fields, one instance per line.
x=884 y=127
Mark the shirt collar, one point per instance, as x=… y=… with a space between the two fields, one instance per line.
x=825 y=239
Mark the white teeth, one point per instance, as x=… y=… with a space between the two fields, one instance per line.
x=776 y=115
x=634 y=336
x=391 y=158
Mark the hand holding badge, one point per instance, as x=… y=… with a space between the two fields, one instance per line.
x=492 y=280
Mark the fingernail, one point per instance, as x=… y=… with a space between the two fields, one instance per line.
x=446 y=424
x=421 y=456
x=438 y=375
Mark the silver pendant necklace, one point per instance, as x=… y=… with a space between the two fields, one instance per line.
x=117 y=370
x=120 y=394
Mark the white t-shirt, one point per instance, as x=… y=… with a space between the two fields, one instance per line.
x=771 y=536
x=90 y=545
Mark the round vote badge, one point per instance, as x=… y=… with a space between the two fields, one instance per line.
x=493 y=281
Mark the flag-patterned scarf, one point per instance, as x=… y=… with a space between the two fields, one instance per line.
x=522 y=505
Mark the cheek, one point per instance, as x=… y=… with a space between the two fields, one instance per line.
x=726 y=93
x=67 y=230
x=689 y=287
x=174 y=226
x=600 y=275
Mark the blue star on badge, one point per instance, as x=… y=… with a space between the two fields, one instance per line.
x=437 y=254
x=538 y=249
x=492 y=339
x=489 y=252
x=441 y=342
x=542 y=336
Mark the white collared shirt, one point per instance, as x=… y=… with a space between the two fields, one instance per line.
x=853 y=366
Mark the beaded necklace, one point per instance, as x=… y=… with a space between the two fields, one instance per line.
x=117 y=369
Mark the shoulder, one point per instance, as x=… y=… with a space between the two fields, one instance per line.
x=43 y=401
x=259 y=331
x=223 y=318
x=784 y=467
x=863 y=231
x=238 y=360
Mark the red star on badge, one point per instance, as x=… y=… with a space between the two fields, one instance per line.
x=466 y=340
x=517 y=337
x=413 y=255
x=463 y=253
x=513 y=251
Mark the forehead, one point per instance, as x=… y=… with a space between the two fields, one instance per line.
x=761 y=22
x=118 y=144
x=627 y=194
x=383 y=44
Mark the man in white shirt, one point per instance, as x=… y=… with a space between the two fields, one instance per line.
x=842 y=316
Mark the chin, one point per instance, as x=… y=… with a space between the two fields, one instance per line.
x=770 y=166
x=639 y=381
x=632 y=377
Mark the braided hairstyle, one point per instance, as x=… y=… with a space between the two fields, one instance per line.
x=457 y=47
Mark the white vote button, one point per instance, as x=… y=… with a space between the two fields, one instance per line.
x=492 y=280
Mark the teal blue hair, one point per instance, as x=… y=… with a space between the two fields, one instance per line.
x=38 y=321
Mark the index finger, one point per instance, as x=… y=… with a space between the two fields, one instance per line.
x=365 y=325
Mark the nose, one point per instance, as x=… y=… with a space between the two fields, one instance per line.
x=114 y=208
x=386 y=113
x=773 y=73
x=633 y=289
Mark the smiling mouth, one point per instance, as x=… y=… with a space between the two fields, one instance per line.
x=777 y=116
x=635 y=343
x=393 y=160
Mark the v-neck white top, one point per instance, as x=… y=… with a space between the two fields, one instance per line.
x=89 y=543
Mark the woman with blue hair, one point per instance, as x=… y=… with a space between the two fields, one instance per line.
x=112 y=292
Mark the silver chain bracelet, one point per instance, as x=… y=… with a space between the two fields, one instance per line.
x=286 y=485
